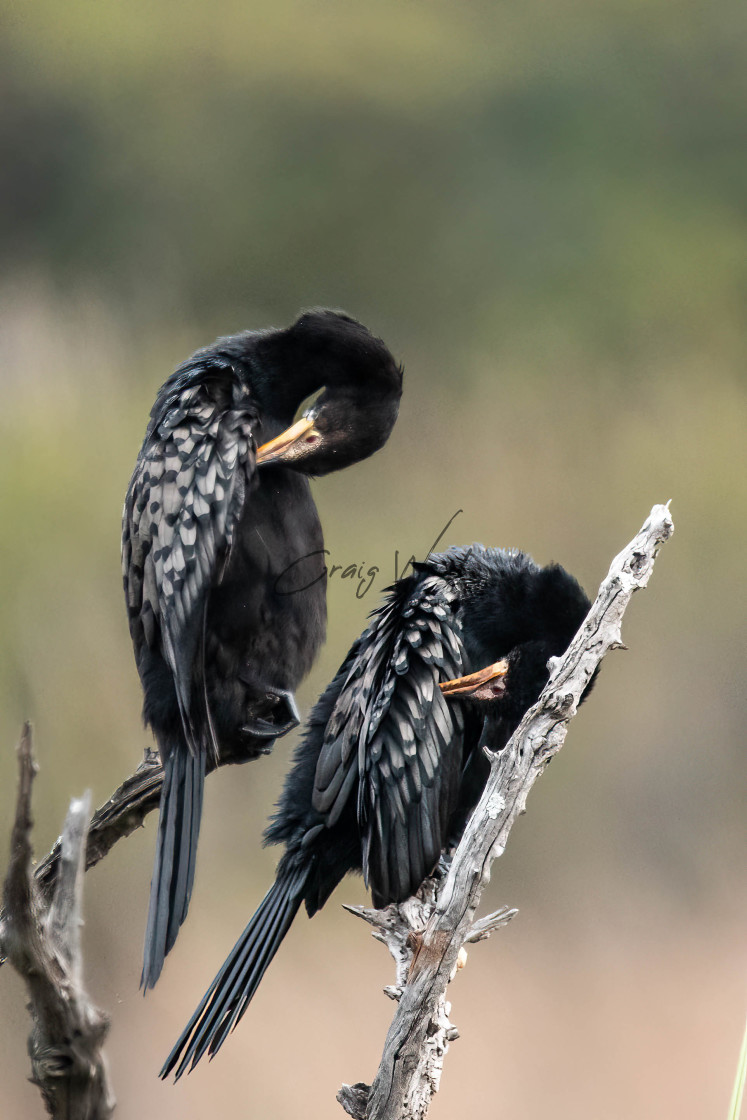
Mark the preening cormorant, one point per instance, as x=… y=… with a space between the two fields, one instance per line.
x=390 y=765
x=218 y=511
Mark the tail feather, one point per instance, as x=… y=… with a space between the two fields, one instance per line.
x=248 y=962
x=246 y=986
x=232 y=989
x=176 y=850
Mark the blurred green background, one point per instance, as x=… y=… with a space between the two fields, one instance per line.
x=541 y=208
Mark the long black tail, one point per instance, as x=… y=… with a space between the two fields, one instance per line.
x=228 y=996
x=176 y=849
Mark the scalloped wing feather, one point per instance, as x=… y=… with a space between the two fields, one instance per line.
x=393 y=736
x=182 y=505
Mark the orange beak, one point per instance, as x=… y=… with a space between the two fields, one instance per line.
x=486 y=684
x=290 y=444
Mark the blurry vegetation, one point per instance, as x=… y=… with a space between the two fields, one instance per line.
x=541 y=207
x=488 y=171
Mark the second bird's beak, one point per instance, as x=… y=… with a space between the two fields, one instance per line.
x=486 y=684
x=290 y=444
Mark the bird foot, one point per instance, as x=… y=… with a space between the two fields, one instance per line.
x=274 y=714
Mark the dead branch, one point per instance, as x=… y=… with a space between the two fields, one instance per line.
x=41 y=939
x=117 y=818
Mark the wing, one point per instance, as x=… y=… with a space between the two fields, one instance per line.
x=393 y=737
x=182 y=505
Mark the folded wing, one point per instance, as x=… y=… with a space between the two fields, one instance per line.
x=393 y=742
x=183 y=502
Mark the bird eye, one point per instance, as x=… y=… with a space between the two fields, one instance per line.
x=311 y=439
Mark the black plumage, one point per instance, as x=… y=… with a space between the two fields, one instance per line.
x=390 y=765
x=221 y=552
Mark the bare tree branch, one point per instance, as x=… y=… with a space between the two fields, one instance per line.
x=42 y=942
x=125 y=811
x=117 y=818
x=426 y=936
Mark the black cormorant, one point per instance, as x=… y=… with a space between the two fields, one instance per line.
x=390 y=765
x=217 y=512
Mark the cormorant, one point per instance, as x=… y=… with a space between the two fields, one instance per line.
x=217 y=513
x=391 y=765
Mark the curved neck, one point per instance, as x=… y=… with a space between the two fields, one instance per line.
x=279 y=385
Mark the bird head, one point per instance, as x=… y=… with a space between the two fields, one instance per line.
x=361 y=385
x=526 y=615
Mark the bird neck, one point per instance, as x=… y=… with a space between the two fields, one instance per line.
x=280 y=383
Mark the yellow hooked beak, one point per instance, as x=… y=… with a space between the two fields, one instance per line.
x=480 y=685
x=290 y=444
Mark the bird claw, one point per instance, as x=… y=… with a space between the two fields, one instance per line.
x=260 y=729
x=281 y=703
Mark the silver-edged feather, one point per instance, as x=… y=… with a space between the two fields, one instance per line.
x=394 y=737
x=181 y=508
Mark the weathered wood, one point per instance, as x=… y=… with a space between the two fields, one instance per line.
x=426 y=939
x=41 y=940
x=118 y=817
